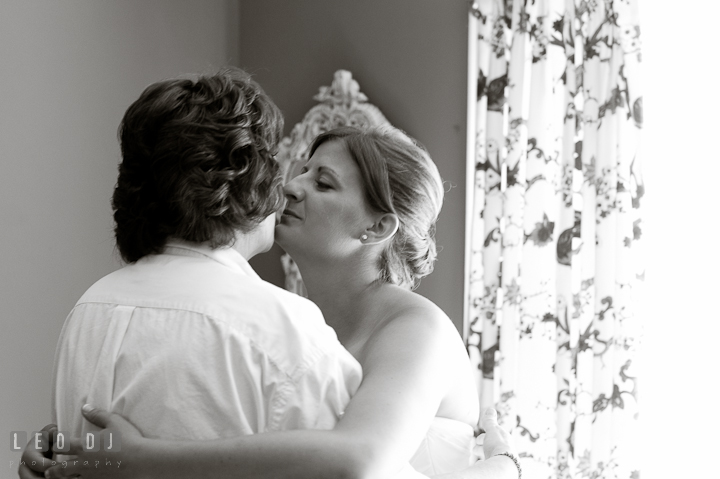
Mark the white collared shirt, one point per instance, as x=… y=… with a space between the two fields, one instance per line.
x=192 y=344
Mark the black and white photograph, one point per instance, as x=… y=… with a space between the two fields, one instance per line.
x=364 y=239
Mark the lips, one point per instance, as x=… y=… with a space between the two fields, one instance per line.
x=289 y=212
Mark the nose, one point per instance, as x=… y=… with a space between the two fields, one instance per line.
x=293 y=190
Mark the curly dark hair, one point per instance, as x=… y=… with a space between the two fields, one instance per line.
x=398 y=177
x=197 y=163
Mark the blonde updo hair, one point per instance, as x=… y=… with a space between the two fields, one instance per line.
x=400 y=178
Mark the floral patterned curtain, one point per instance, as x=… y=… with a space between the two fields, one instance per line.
x=554 y=229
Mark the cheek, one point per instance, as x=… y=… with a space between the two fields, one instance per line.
x=337 y=221
x=349 y=216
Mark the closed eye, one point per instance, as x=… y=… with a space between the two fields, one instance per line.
x=320 y=184
x=323 y=186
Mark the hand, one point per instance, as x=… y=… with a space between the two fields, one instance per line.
x=33 y=462
x=125 y=463
x=495 y=440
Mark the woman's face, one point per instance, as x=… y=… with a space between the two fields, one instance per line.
x=326 y=211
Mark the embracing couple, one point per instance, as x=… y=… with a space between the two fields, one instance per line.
x=206 y=370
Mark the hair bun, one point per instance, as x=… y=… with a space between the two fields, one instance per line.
x=415 y=257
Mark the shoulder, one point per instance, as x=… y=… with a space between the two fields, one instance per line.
x=419 y=333
x=247 y=312
x=416 y=330
x=292 y=301
x=412 y=320
x=290 y=330
x=408 y=310
x=198 y=284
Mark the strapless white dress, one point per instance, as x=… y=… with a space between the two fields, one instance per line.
x=447 y=447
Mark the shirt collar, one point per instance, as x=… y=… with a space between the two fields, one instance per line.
x=224 y=255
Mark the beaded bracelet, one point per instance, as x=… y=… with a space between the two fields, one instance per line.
x=515 y=460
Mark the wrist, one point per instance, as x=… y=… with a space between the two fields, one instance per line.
x=499 y=450
x=511 y=457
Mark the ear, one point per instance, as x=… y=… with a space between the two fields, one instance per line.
x=384 y=228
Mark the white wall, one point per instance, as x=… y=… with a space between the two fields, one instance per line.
x=68 y=71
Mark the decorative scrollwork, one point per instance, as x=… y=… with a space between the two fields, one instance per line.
x=341 y=104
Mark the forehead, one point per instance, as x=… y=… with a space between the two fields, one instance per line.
x=334 y=155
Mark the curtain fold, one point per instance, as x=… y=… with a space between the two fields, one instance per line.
x=555 y=229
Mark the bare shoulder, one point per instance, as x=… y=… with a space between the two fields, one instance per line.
x=403 y=304
x=415 y=318
x=422 y=333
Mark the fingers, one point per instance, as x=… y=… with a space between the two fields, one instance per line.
x=34 y=458
x=65 y=469
x=489 y=419
x=478 y=447
x=75 y=447
x=51 y=429
x=26 y=473
x=97 y=416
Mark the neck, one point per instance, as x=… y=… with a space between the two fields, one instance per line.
x=250 y=244
x=341 y=290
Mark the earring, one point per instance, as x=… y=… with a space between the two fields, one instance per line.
x=364 y=238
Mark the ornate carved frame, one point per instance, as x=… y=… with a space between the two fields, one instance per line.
x=341 y=104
